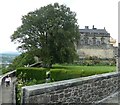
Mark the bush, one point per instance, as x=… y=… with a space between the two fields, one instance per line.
x=63 y=74
x=4 y=70
x=71 y=72
x=29 y=76
x=32 y=73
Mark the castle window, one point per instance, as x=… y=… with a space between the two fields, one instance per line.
x=102 y=33
x=86 y=40
x=87 y=33
x=90 y=42
x=94 y=40
x=102 y=40
x=98 y=42
x=95 y=33
x=82 y=42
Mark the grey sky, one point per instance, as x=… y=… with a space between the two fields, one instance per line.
x=101 y=13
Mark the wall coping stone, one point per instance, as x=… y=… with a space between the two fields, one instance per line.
x=48 y=87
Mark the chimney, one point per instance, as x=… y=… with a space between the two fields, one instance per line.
x=94 y=28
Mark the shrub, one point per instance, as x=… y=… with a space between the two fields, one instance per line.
x=71 y=72
x=32 y=73
x=4 y=70
x=63 y=74
x=29 y=76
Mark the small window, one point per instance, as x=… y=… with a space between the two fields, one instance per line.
x=82 y=42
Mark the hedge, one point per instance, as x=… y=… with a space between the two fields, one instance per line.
x=64 y=74
x=32 y=73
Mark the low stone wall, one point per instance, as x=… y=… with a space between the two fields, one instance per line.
x=80 y=90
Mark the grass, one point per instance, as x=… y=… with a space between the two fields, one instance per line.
x=86 y=68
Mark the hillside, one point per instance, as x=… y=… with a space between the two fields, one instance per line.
x=7 y=57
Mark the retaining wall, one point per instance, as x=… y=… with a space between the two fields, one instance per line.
x=80 y=90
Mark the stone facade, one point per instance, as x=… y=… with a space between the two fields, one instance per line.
x=95 y=42
x=80 y=90
x=102 y=52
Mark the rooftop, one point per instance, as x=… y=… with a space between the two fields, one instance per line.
x=94 y=31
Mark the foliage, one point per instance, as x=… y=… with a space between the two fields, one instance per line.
x=21 y=81
x=22 y=60
x=49 y=33
x=69 y=72
x=29 y=76
x=4 y=70
x=32 y=73
x=63 y=74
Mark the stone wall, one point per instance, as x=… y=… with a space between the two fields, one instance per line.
x=100 y=52
x=80 y=90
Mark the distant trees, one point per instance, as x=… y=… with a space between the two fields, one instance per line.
x=49 y=33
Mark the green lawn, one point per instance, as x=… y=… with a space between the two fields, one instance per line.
x=86 y=68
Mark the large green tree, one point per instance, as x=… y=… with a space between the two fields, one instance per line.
x=50 y=33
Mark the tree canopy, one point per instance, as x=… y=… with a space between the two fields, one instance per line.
x=49 y=33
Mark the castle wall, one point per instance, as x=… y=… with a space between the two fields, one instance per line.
x=100 y=52
x=95 y=42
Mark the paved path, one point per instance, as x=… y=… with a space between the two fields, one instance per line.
x=6 y=93
x=112 y=100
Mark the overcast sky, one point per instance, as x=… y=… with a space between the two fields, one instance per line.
x=100 y=13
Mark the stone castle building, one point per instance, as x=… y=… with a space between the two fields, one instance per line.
x=96 y=42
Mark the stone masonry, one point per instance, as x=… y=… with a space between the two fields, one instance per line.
x=95 y=42
x=80 y=90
